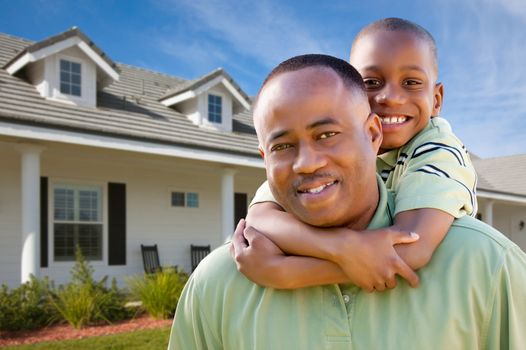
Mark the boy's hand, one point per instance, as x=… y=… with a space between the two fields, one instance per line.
x=257 y=257
x=369 y=259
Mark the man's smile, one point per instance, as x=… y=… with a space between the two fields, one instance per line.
x=315 y=188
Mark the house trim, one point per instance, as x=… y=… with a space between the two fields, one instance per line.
x=47 y=51
x=100 y=141
x=501 y=196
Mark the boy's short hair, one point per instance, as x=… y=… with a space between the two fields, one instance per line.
x=347 y=73
x=394 y=24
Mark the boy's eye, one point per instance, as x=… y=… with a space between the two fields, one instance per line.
x=412 y=82
x=371 y=83
x=280 y=147
x=327 y=134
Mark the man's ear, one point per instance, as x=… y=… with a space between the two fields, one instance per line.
x=374 y=128
x=261 y=152
x=438 y=98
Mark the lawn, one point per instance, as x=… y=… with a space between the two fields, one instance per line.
x=143 y=339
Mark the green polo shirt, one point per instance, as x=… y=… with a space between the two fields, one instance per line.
x=472 y=296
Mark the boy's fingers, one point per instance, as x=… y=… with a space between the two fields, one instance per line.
x=400 y=237
x=407 y=273
x=238 y=240
x=250 y=233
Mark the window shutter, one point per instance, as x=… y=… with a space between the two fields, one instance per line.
x=240 y=207
x=43 y=222
x=116 y=224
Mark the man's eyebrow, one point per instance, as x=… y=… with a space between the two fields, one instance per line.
x=324 y=121
x=278 y=134
x=318 y=123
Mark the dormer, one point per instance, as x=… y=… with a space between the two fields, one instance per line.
x=210 y=101
x=67 y=67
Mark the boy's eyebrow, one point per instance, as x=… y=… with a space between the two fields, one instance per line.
x=405 y=68
x=318 y=123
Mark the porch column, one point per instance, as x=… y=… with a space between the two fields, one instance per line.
x=488 y=212
x=30 y=198
x=227 y=202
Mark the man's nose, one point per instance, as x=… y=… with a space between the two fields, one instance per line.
x=309 y=159
x=391 y=95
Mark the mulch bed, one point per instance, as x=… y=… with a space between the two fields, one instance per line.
x=64 y=331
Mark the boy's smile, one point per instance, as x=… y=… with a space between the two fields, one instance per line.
x=399 y=72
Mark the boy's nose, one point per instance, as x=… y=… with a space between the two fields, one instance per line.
x=390 y=95
x=308 y=160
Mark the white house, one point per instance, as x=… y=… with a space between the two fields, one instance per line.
x=110 y=156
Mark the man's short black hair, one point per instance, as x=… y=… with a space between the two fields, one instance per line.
x=347 y=73
x=394 y=24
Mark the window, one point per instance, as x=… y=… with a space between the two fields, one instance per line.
x=70 y=78
x=214 y=109
x=77 y=221
x=185 y=199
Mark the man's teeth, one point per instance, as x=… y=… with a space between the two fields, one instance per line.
x=318 y=189
x=393 y=120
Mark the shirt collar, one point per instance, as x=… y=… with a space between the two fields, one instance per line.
x=383 y=216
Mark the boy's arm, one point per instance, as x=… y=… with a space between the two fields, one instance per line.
x=261 y=261
x=432 y=226
x=368 y=259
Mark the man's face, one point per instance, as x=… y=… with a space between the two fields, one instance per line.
x=399 y=72
x=319 y=143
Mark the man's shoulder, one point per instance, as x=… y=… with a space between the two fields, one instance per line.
x=218 y=264
x=478 y=237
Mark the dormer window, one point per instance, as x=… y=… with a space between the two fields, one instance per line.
x=214 y=109
x=70 y=78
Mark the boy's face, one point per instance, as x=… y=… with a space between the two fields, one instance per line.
x=319 y=142
x=400 y=74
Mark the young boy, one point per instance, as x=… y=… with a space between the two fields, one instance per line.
x=420 y=160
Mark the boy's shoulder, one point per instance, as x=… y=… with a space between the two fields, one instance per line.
x=437 y=133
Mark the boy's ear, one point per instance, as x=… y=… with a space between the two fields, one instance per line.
x=438 y=98
x=374 y=127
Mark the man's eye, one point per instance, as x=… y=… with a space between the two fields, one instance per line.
x=327 y=134
x=280 y=147
x=372 y=83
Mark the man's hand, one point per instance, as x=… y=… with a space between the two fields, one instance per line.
x=370 y=261
x=257 y=257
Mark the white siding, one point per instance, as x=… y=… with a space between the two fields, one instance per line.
x=150 y=218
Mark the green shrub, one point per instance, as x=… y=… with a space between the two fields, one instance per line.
x=159 y=292
x=26 y=307
x=85 y=301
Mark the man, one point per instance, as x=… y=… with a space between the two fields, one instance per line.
x=319 y=142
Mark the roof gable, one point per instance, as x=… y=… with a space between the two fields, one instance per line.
x=58 y=43
x=195 y=87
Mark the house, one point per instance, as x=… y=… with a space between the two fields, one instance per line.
x=108 y=157
x=501 y=194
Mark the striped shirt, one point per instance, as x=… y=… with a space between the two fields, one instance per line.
x=432 y=170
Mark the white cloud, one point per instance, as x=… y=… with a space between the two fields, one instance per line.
x=264 y=31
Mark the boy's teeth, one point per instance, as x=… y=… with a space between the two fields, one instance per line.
x=393 y=120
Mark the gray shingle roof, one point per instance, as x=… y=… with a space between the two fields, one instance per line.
x=502 y=174
x=127 y=108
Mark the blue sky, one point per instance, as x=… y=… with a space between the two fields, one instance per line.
x=481 y=43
